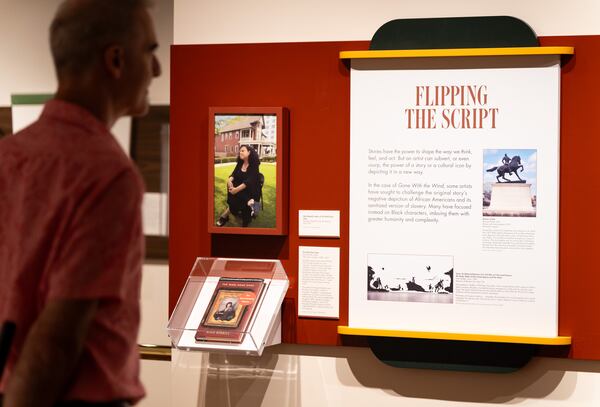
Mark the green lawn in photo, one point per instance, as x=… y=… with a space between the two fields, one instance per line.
x=267 y=217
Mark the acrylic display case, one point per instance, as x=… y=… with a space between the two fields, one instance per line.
x=230 y=305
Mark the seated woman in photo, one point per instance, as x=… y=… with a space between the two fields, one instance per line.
x=242 y=187
x=226 y=314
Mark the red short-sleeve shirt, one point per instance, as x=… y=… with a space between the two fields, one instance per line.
x=70 y=228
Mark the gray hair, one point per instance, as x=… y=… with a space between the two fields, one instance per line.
x=82 y=29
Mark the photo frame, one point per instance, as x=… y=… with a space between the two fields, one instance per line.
x=247 y=170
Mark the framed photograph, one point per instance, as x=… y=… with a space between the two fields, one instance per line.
x=247 y=170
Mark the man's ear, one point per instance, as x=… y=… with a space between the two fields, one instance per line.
x=114 y=60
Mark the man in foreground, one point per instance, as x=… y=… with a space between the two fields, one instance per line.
x=71 y=243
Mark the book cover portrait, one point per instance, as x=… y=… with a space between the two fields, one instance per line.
x=230 y=311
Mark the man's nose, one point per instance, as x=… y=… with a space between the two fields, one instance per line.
x=155 y=67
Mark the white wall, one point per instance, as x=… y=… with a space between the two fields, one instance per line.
x=241 y=21
x=155 y=377
x=26 y=64
x=311 y=376
x=155 y=304
x=163 y=22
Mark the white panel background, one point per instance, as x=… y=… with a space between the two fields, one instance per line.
x=528 y=100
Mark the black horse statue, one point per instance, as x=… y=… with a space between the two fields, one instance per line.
x=513 y=165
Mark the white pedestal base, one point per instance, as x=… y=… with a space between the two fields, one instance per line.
x=510 y=199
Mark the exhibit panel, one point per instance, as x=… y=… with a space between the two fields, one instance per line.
x=449 y=156
x=314 y=84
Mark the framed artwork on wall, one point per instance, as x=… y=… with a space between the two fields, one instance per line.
x=247 y=170
x=149 y=149
x=5 y=121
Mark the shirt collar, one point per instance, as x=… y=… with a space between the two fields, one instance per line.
x=75 y=114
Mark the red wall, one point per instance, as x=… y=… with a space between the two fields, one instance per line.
x=579 y=302
x=311 y=81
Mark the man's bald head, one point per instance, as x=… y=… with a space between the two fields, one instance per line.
x=82 y=29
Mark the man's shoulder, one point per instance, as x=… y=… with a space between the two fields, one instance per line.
x=60 y=135
x=78 y=142
x=68 y=154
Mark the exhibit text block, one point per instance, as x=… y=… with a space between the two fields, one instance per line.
x=319 y=282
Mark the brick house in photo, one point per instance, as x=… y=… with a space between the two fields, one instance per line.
x=246 y=130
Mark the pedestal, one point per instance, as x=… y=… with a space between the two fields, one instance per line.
x=510 y=199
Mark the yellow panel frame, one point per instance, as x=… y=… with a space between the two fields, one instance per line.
x=154 y=352
x=559 y=340
x=457 y=52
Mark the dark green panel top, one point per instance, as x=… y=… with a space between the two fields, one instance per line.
x=454 y=32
